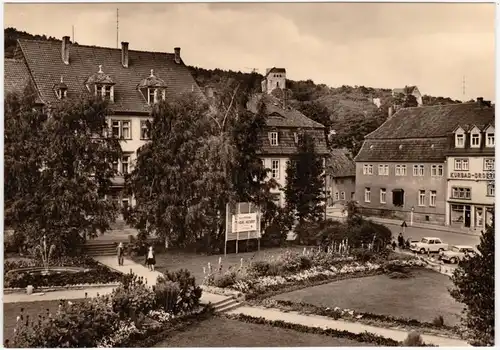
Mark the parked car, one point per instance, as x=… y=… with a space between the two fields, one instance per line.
x=456 y=253
x=429 y=244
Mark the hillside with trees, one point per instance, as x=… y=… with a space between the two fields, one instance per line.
x=348 y=112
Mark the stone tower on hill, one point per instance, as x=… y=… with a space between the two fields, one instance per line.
x=275 y=79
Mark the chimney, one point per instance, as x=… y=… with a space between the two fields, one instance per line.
x=480 y=101
x=125 y=54
x=65 y=49
x=177 y=51
x=389 y=114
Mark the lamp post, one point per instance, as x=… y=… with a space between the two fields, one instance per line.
x=411 y=216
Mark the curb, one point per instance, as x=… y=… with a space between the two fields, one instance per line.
x=434 y=228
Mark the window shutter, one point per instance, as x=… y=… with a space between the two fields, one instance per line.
x=103 y=91
x=156 y=95
x=164 y=94
x=269 y=137
x=112 y=94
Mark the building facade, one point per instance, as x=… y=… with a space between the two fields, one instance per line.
x=132 y=81
x=284 y=125
x=471 y=177
x=402 y=168
x=410 y=90
x=340 y=178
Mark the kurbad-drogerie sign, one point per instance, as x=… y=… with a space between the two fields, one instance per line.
x=244 y=222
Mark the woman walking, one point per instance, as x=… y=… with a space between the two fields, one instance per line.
x=150 y=259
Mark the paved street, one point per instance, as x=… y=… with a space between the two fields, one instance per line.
x=451 y=238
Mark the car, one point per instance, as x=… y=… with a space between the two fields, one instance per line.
x=429 y=244
x=456 y=253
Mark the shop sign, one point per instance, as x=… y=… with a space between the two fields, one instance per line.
x=490 y=175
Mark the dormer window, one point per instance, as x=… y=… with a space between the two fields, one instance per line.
x=475 y=138
x=102 y=84
x=490 y=136
x=61 y=90
x=459 y=138
x=153 y=89
x=273 y=138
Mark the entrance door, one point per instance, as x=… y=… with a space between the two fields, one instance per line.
x=467 y=216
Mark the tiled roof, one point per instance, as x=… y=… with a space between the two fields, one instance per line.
x=45 y=63
x=339 y=164
x=404 y=150
x=433 y=121
x=403 y=90
x=280 y=117
x=286 y=142
x=276 y=70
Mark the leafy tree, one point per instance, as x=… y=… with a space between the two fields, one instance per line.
x=474 y=286
x=304 y=182
x=319 y=113
x=58 y=170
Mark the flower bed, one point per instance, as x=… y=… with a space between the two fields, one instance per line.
x=365 y=317
x=361 y=337
x=94 y=274
x=132 y=312
x=294 y=269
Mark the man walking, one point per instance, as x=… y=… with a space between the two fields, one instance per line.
x=120 y=254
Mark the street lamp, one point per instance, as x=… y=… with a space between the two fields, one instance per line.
x=411 y=216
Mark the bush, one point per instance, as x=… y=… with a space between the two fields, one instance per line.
x=364 y=255
x=81 y=324
x=189 y=294
x=259 y=268
x=308 y=233
x=13 y=242
x=166 y=294
x=225 y=279
x=413 y=339
x=438 y=321
x=133 y=297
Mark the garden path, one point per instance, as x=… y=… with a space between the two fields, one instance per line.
x=56 y=295
x=324 y=322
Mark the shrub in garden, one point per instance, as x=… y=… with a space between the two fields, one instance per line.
x=190 y=293
x=259 y=268
x=438 y=321
x=133 y=297
x=363 y=255
x=413 y=339
x=166 y=294
x=224 y=280
x=81 y=324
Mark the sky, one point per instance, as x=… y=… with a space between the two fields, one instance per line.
x=381 y=45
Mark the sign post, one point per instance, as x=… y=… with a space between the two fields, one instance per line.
x=242 y=222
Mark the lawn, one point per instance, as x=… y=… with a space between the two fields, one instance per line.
x=219 y=332
x=195 y=262
x=422 y=297
x=33 y=309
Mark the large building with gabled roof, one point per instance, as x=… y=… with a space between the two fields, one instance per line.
x=402 y=170
x=132 y=81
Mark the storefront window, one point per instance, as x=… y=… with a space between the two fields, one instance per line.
x=479 y=217
x=457 y=214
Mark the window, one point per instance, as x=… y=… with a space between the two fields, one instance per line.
x=106 y=92
x=116 y=166
x=383 y=169
x=418 y=170
x=462 y=164
x=490 y=190
x=275 y=169
x=125 y=164
x=398 y=197
x=383 y=196
x=151 y=96
x=421 y=198
x=490 y=139
x=367 y=169
x=336 y=196
x=489 y=164
x=436 y=170
x=121 y=129
x=367 y=195
x=400 y=170
x=273 y=137
x=125 y=202
x=460 y=193
x=432 y=199
x=144 y=130
x=342 y=195
x=474 y=140
x=459 y=140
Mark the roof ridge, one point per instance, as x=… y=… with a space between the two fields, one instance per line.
x=96 y=46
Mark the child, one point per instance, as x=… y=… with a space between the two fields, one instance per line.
x=150 y=259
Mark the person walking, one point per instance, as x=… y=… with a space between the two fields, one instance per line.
x=401 y=241
x=119 y=251
x=150 y=259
